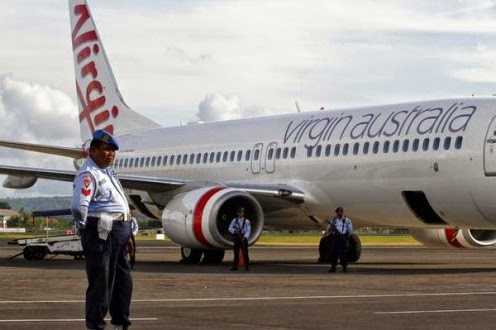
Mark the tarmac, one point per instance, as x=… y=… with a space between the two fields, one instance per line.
x=389 y=288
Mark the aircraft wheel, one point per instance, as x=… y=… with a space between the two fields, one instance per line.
x=191 y=256
x=213 y=256
x=354 y=248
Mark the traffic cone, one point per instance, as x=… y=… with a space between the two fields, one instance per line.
x=241 y=259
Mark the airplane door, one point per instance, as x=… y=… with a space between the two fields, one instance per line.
x=270 y=157
x=256 y=158
x=490 y=150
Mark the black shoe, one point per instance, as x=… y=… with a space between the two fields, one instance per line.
x=332 y=269
x=234 y=268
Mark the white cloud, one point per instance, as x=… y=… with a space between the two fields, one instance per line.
x=36 y=113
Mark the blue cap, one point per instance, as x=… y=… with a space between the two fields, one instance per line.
x=105 y=137
x=339 y=208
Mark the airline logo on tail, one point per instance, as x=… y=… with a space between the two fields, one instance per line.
x=96 y=109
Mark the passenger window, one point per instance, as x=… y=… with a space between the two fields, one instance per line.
x=191 y=158
x=435 y=143
x=248 y=155
x=356 y=147
x=396 y=145
x=375 y=148
x=142 y=161
x=271 y=154
x=217 y=158
x=285 y=153
x=459 y=142
x=164 y=162
x=366 y=146
x=159 y=160
x=147 y=162
x=337 y=148
x=125 y=162
x=240 y=155
x=224 y=156
x=185 y=159
x=198 y=158
x=256 y=155
x=318 y=151
x=345 y=149
x=385 y=147
x=425 y=144
x=309 y=151
x=447 y=143
x=131 y=160
x=233 y=155
x=328 y=150
x=406 y=144
x=171 y=160
x=293 y=152
x=278 y=153
x=212 y=157
x=415 y=145
x=205 y=157
x=136 y=162
x=153 y=160
x=178 y=160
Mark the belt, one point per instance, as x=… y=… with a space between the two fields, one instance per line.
x=116 y=216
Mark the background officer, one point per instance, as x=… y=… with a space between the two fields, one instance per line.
x=241 y=229
x=103 y=219
x=340 y=228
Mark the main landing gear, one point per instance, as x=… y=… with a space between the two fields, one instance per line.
x=196 y=256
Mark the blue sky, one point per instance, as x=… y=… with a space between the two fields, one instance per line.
x=238 y=59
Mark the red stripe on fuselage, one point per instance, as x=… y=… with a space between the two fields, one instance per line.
x=198 y=214
x=451 y=237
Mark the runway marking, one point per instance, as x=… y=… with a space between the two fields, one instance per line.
x=402 y=295
x=440 y=311
x=70 y=320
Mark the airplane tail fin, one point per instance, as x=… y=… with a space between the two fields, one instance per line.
x=100 y=102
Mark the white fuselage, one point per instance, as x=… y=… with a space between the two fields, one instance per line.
x=441 y=148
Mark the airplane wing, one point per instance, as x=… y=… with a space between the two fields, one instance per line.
x=160 y=184
x=60 y=151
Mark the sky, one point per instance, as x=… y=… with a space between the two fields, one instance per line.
x=183 y=61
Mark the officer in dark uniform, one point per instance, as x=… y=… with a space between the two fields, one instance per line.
x=340 y=228
x=241 y=229
x=103 y=219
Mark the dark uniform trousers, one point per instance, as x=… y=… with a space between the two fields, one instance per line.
x=109 y=274
x=339 y=250
x=240 y=243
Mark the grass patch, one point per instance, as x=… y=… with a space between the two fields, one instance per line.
x=314 y=240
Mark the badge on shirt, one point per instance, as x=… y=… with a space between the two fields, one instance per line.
x=86 y=181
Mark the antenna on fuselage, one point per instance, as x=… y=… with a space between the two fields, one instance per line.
x=297 y=107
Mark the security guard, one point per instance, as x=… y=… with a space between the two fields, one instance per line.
x=103 y=219
x=340 y=228
x=241 y=229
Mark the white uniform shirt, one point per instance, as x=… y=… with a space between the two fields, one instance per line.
x=343 y=225
x=96 y=190
x=241 y=224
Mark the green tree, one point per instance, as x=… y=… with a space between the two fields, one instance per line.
x=5 y=206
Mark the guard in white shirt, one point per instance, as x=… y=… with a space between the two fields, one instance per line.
x=241 y=229
x=340 y=228
x=102 y=216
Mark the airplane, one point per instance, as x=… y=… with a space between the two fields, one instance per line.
x=429 y=166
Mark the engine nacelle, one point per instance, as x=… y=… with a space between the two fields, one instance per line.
x=19 y=182
x=455 y=238
x=200 y=218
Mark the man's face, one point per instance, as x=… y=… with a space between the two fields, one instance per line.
x=339 y=213
x=241 y=214
x=103 y=155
